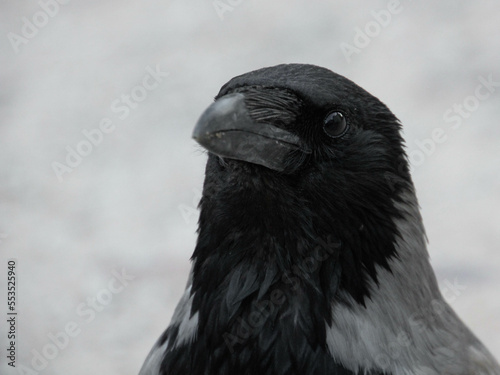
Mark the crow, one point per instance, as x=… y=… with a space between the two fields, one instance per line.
x=311 y=254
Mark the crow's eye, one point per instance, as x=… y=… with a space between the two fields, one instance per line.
x=335 y=124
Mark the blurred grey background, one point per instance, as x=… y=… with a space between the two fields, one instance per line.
x=75 y=214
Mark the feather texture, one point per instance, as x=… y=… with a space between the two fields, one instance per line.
x=311 y=255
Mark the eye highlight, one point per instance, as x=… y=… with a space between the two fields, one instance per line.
x=335 y=124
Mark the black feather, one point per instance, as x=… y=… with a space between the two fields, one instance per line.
x=275 y=248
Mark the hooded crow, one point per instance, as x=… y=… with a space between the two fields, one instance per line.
x=311 y=255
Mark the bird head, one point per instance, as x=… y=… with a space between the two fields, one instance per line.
x=296 y=118
x=311 y=254
x=300 y=138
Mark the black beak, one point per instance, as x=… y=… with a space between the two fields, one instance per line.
x=226 y=129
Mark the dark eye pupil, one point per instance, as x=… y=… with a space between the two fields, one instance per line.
x=335 y=124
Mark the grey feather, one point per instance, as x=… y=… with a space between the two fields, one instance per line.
x=187 y=331
x=407 y=328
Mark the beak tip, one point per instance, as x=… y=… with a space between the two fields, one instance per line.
x=226 y=129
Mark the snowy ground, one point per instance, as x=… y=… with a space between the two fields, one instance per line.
x=129 y=205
